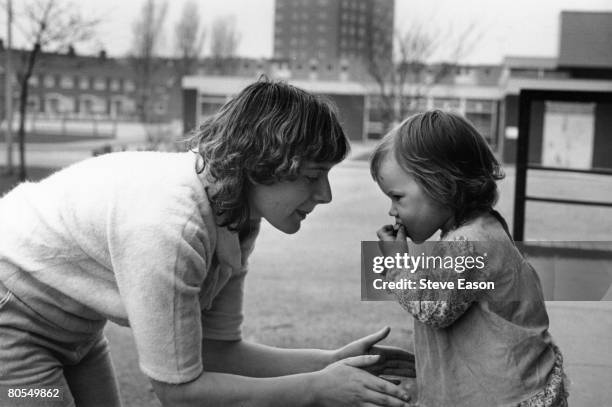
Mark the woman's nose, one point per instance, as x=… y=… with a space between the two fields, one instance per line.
x=323 y=193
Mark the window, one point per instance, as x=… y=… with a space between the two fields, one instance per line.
x=483 y=123
x=66 y=82
x=117 y=108
x=446 y=103
x=49 y=81
x=209 y=105
x=84 y=82
x=33 y=104
x=479 y=105
x=87 y=106
x=57 y=104
x=115 y=85
x=129 y=86
x=99 y=84
x=91 y=104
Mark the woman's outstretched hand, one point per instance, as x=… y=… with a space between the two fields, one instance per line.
x=393 y=361
x=347 y=383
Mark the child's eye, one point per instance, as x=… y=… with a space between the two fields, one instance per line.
x=396 y=197
x=312 y=178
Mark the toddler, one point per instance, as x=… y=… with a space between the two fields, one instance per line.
x=473 y=347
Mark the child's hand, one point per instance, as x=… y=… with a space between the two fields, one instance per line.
x=393 y=361
x=392 y=240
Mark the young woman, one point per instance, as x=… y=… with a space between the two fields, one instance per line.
x=159 y=242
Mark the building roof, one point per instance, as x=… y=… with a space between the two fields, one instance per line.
x=95 y=65
x=515 y=85
x=224 y=85
x=586 y=40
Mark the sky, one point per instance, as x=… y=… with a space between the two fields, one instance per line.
x=507 y=27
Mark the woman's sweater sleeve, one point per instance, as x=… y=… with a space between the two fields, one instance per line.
x=159 y=252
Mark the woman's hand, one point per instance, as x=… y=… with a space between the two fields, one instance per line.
x=393 y=361
x=346 y=383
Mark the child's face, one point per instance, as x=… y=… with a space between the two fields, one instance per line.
x=410 y=205
x=285 y=204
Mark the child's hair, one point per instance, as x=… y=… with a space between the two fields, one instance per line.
x=449 y=159
x=263 y=135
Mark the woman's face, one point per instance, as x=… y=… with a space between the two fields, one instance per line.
x=286 y=204
x=410 y=205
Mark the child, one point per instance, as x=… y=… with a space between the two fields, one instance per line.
x=159 y=242
x=473 y=348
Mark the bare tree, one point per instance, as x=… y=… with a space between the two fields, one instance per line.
x=45 y=24
x=189 y=37
x=224 y=40
x=406 y=75
x=147 y=34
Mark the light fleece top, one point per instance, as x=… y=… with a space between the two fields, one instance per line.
x=128 y=237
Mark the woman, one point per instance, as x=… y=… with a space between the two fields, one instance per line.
x=160 y=242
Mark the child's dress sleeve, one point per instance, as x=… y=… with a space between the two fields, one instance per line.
x=441 y=307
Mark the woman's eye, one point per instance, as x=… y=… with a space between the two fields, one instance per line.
x=311 y=178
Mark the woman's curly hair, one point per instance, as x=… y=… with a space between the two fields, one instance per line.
x=449 y=159
x=263 y=135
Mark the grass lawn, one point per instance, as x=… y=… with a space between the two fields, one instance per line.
x=55 y=138
x=7 y=182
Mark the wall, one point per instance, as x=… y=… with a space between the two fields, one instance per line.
x=351 y=112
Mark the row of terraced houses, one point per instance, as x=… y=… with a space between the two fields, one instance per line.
x=74 y=87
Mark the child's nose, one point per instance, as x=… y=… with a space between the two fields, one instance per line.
x=393 y=211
